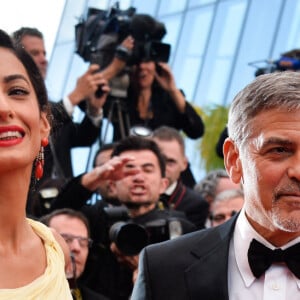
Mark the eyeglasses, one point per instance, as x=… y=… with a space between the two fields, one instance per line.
x=83 y=241
x=221 y=217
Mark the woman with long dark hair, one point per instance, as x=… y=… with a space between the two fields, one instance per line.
x=31 y=256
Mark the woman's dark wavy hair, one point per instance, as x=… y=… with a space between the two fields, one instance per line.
x=32 y=70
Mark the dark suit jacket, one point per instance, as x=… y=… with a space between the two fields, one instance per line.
x=192 y=267
x=88 y=294
x=66 y=135
x=191 y=203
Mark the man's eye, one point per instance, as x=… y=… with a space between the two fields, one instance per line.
x=279 y=149
x=148 y=169
x=129 y=167
x=218 y=218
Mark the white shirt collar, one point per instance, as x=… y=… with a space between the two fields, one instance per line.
x=243 y=235
x=171 y=188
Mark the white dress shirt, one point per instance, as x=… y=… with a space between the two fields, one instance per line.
x=278 y=282
x=170 y=189
x=69 y=107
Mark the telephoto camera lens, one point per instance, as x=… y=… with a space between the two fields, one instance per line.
x=130 y=238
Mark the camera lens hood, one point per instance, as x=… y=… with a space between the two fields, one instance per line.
x=130 y=238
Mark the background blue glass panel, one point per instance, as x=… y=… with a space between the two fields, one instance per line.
x=221 y=47
x=173 y=26
x=171 y=6
x=101 y=4
x=190 y=49
x=145 y=7
x=188 y=77
x=58 y=72
x=72 y=12
x=76 y=69
x=192 y=3
x=256 y=44
x=288 y=33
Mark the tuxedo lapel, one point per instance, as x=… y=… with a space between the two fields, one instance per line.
x=211 y=260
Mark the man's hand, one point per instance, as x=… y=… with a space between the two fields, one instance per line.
x=111 y=170
x=94 y=103
x=118 y=64
x=130 y=261
x=86 y=85
x=128 y=43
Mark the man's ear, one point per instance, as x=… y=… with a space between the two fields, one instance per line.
x=185 y=164
x=232 y=160
x=112 y=186
x=164 y=184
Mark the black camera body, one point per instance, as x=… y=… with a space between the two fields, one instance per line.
x=131 y=237
x=98 y=37
x=149 y=51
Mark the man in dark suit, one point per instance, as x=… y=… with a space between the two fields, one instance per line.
x=178 y=196
x=66 y=134
x=254 y=255
x=74 y=228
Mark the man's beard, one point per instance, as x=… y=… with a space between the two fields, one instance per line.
x=136 y=205
x=290 y=223
x=113 y=201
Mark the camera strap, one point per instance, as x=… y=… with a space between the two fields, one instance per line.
x=177 y=196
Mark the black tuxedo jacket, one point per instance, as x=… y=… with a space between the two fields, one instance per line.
x=192 y=267
x=66 y=135
x=71 y=136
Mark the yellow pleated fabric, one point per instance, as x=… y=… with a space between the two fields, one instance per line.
x=52 y=285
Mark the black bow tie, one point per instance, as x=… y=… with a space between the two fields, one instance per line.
x=260 y=258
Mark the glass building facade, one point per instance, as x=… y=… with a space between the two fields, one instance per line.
x=216 y=47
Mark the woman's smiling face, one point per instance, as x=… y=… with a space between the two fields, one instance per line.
x=22 y=125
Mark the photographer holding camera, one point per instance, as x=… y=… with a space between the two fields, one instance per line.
x=137 y=175
x=153 y=99
x=140 y=181
x=148 y=91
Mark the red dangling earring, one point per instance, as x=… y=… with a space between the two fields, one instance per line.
x=39 y=163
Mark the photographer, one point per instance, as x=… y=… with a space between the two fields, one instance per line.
x=153 y=99
x=140 y=183
x=137 y=174
x=146 y=92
